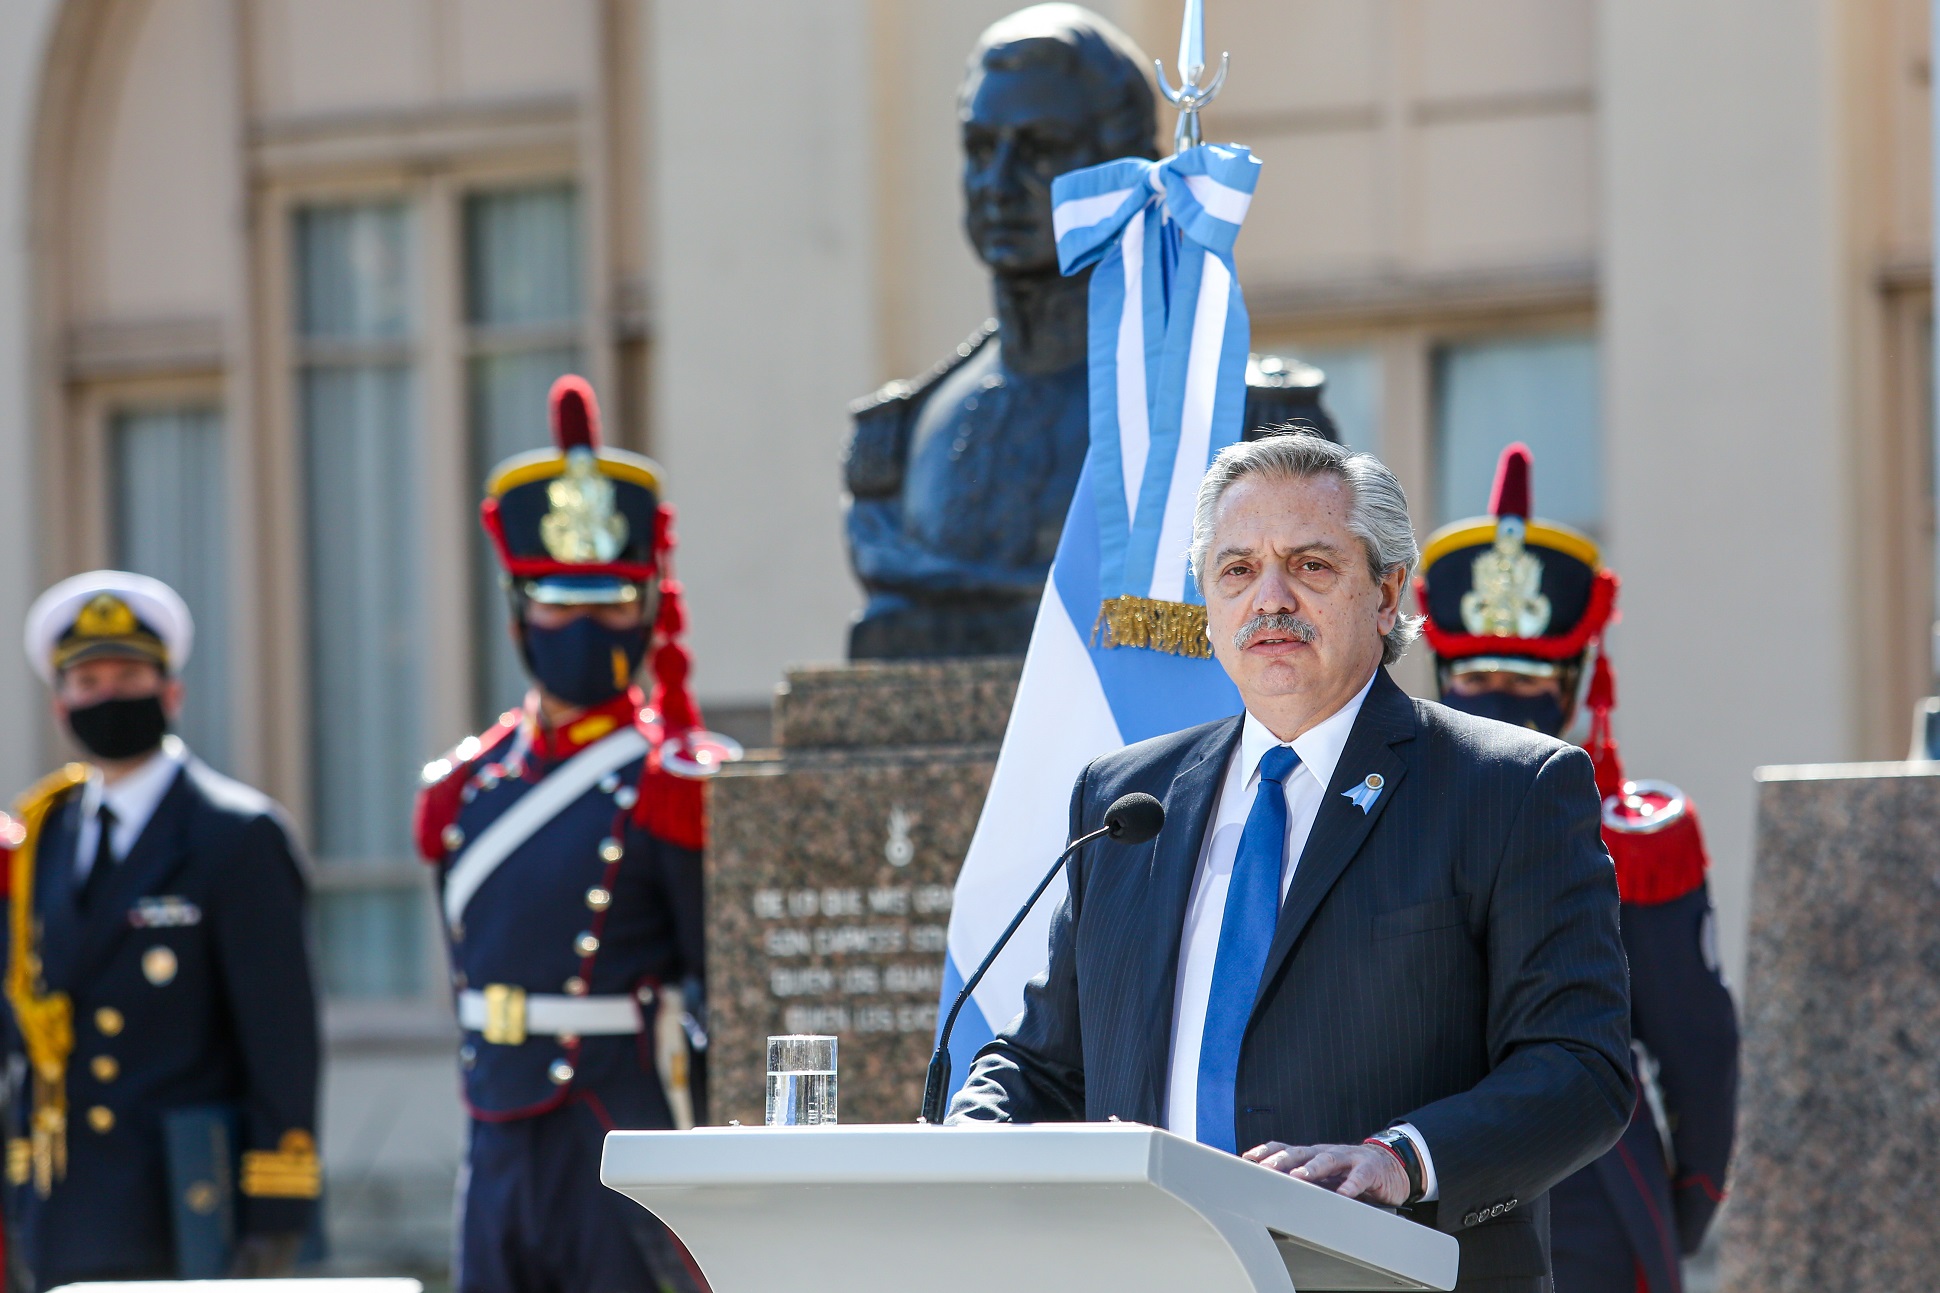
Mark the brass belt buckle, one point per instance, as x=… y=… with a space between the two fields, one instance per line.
x=504 y=1014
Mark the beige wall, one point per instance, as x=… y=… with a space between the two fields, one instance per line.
x=1407 y=141
x=1733 y=194
x=1396 y=134
x=1736 y=200
x=933 y=291
x=25 y=29
x=1741 y=307
x=765 y=284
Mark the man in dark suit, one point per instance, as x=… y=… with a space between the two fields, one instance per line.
x=156 y=968
x=1376 y=944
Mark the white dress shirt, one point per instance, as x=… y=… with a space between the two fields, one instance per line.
x=1319 y=748
x=133 y=800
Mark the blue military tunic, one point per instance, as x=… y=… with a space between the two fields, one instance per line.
x=1622 y=1224
x=189 y=987
x=584 y=904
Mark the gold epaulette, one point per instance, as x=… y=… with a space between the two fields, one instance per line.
x=290 y=1171
x=31 y=807
x=45 y=1019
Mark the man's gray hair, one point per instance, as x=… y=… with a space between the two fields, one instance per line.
x=1377 y=509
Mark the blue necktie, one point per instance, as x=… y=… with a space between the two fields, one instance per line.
x=1245 y=934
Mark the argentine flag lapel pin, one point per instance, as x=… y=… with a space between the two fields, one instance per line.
x=1364 y=795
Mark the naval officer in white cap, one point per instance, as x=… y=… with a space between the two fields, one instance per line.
x=158 y=983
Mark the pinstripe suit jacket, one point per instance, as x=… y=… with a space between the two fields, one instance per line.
x=1449 y=958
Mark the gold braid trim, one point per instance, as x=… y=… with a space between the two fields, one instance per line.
x=290 y=1171
x=45 y=1019
x=1176 y=628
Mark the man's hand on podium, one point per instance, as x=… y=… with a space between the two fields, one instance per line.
x=1364 y=1172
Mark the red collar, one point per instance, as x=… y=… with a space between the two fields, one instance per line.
x=554 y=744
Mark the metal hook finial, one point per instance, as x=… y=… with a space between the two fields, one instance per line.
x=1190 y=97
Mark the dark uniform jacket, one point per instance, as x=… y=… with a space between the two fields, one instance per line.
x=1622 y=1223
x=565 y=914
x=191 y=986
x=1448 y=958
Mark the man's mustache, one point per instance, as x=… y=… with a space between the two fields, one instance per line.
x=1282 y=625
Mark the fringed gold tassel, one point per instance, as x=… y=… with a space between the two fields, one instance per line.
x=1176 y=628
x=45 y=1020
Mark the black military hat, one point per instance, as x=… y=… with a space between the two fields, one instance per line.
x=577 y=523
x=1509 y=591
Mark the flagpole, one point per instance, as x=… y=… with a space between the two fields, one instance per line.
x=1191 y=96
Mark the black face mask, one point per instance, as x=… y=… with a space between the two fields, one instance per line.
x=1544 y=712
x=584 y=662
x=119 y=729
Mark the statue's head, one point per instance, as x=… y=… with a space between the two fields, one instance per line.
x=1050 y=89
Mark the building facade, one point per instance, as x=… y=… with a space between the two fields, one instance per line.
x=280 y=278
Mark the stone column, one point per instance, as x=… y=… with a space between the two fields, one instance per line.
x=763 y=317
x=830 y=869
x=1724 y=330
x=1839 y=1103
x=25 y=30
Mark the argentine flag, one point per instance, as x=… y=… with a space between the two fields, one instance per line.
x=1118 y=653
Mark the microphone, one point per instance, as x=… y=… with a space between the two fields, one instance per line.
x=1132 y=819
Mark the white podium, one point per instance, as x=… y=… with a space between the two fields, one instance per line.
x=1064 y=1208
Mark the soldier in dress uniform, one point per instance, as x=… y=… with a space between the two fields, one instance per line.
x=156 y=968
x=567 y=842
x=1514 y=606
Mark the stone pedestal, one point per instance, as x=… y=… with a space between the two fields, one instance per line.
x=830 y=868
x=1837 y=1169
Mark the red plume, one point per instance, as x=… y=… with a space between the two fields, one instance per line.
x=673 y=699
x=672 y=806
x=1601 y=699
x=1511 y=494
x=575 y=414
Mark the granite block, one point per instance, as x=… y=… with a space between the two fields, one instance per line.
x=873 y=703
x=831 y=865
x=1836 y=1169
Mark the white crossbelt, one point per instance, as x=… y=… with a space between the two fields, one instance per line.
x=534 y=809
x=552 y=1014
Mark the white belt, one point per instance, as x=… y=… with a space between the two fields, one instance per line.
x=507 y=1016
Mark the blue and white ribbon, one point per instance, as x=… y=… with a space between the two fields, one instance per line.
x=1169 y=337
x=1364 y=795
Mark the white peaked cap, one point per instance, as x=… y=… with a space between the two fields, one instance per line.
x=153 y=602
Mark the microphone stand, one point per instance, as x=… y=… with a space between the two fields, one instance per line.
x=937 y=1085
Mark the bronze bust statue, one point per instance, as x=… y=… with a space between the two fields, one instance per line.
x=959 y=481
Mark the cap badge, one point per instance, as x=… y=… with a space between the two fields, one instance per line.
x=105 y=616
x=582 y=527
x=1505 y=597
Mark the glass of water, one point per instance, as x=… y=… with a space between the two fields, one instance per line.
x=801 y=1081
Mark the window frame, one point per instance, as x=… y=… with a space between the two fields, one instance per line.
x=86 y=540
x=179 y=397
x=439 y=351
x=485 y=341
